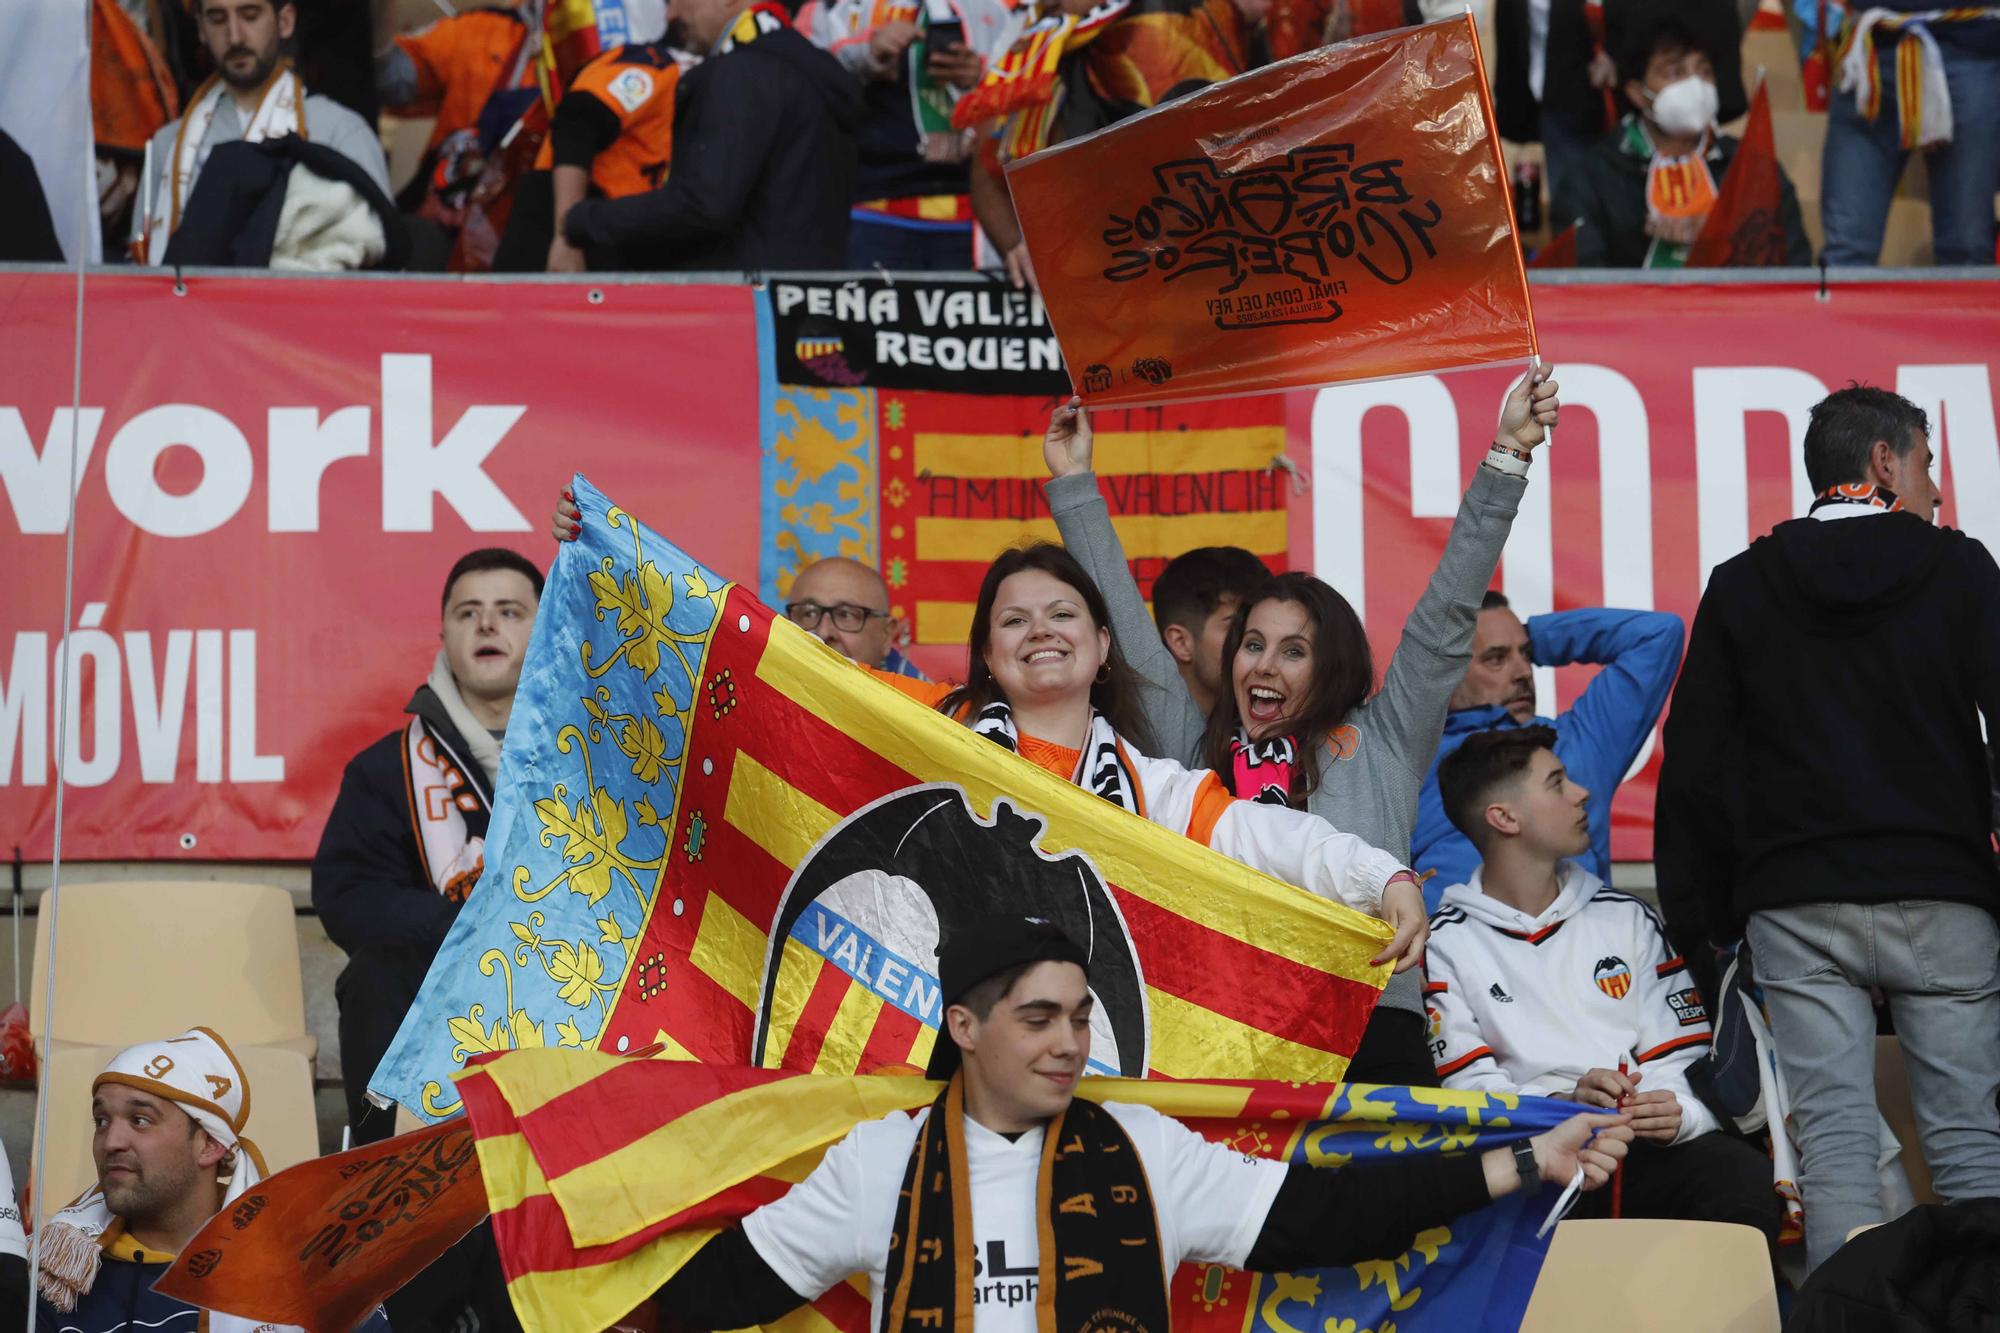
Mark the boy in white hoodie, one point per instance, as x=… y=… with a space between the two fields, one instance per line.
x=1540 y=980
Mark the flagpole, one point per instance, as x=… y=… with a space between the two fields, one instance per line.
x=1500 y=175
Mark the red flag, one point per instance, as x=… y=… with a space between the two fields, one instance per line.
x=1746 y=228
x=1560 y=252
x=1342 y=215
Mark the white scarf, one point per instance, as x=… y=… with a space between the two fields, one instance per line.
x=281 y=111
x=1102 y=766
x=485 y=750
x=199 y=1073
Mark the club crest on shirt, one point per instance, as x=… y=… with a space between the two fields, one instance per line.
x=1613 y=977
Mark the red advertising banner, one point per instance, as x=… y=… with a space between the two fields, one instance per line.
x=1343 y=215
x=275 y=477
x=276 y=474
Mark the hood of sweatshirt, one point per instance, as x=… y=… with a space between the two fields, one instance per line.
x=1579 y=886
x=1838 y=578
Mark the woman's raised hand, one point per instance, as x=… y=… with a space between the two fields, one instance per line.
x=1066 y=448
x=567 y=521
x=1529 y=413
x=1403 y=908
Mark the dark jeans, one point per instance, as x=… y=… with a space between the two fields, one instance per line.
x=907 y=249
x=1714 y=1178
x=1393 y=1051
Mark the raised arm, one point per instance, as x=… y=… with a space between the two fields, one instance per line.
x=1436 y=644
x=1084 y=522
x=1639 y=651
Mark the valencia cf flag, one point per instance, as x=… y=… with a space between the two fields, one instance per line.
x=1746 y=228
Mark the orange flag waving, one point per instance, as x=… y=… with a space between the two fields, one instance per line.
x=1340 y=216
x=1746 y=228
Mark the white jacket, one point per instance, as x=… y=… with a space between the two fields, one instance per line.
x=1530 y=1004
x=1293 y=845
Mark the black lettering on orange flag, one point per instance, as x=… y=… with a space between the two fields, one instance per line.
x=1342 y=215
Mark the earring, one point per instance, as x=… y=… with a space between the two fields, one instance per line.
x=1103 y=671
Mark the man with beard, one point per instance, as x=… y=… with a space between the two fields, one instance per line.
x=253 y=95
x=170 y=1154
x=1597 y=737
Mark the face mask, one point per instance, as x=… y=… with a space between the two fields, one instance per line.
x=1686 y=106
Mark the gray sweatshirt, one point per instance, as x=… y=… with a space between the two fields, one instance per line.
x=1372 y=794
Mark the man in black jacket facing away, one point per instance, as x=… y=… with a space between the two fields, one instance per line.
x=764 y=155
x=1825 y=777
x=405 y=842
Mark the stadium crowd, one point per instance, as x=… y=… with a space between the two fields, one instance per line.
x=1245 y=712
x=727 y=135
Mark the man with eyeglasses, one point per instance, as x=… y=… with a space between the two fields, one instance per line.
x=846 y=604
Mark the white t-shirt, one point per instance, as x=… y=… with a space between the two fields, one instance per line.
x=1210 y=1203
x=12 y=1239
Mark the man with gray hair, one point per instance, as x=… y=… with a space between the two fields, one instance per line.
x=1825 y=779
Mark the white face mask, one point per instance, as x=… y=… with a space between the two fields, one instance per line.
x=1686 y=106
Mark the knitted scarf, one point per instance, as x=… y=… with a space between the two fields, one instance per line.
x=1262 y=770
x=1103 y=767
x=1858 y=493
x=1100 y=1261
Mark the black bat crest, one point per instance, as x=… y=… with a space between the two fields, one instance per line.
x=964 y=868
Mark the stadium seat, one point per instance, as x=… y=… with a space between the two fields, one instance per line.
x=1639 y=1275
x=145 y=960
x=282 y=1123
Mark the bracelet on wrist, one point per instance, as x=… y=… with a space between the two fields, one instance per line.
x=1506 y=461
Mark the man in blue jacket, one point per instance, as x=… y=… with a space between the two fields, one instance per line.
x=1597 y=738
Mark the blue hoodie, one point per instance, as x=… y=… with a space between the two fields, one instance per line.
x=1597 y=739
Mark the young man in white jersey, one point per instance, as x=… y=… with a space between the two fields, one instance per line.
x=1540 y=980
x=1043 y=1213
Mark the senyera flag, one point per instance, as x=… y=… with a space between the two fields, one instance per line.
x=604 y=1175
x=714 y=833
x=1342 y=215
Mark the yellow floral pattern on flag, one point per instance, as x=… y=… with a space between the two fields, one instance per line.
x=583 y=824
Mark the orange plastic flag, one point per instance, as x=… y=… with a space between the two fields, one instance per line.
x=324 y=1242
x=1746 y=228
x=1342 y=215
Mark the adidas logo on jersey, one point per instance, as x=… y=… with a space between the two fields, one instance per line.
x=1500 y=994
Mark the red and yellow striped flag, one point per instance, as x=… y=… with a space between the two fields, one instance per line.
x=812 y=772
x=605 y=1176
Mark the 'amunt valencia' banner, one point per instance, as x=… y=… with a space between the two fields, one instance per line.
x=1340 y=216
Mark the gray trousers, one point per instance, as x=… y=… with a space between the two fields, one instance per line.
x=1939 y=965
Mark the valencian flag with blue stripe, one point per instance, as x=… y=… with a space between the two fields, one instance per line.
x=713 y=834
x=605 y=1175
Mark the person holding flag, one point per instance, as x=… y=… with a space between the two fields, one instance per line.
x=1296 y=725
x=1046 y=681
x=1074 y=1208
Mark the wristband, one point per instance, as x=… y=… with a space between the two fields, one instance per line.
x=1507 y=461
x=1525 y=1165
